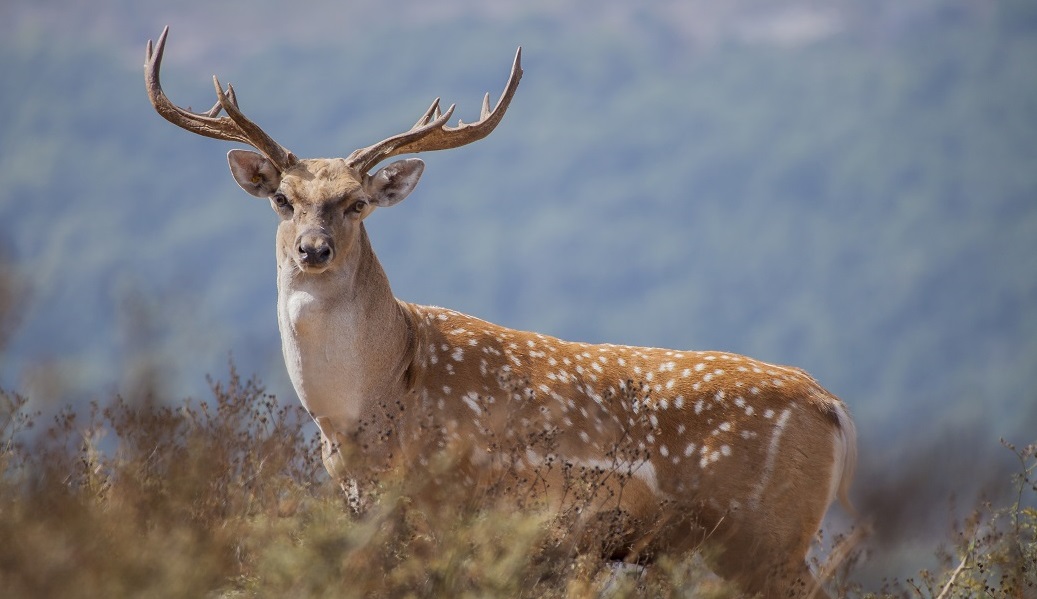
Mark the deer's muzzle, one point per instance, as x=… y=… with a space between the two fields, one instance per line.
x=314 y=250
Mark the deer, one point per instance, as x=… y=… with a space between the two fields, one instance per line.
x=691 y=448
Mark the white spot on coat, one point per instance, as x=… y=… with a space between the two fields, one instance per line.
x=772 y=456
x=472 y=400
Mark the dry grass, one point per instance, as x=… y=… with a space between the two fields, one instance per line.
x=228 y=498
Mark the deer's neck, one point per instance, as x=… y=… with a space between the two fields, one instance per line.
x=346 y=340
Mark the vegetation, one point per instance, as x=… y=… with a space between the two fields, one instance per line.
x=862 y=206
x=228 y=498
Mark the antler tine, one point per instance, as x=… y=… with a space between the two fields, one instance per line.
x=430 y=115
x=431 y=132
x=234 y=127
x=217 y=107
x=214 y=111
x=485 y=112
x=254 y=135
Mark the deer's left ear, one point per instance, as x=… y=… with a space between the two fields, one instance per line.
x=394 y=182
x=254 y=173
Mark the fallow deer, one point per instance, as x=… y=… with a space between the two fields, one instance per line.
x=690 y=445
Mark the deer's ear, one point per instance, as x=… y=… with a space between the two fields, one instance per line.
x=394 y=182
x=254 y=173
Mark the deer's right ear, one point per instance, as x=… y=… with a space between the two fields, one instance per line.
x=254 y=173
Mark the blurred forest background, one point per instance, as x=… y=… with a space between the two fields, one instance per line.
x=847 y=187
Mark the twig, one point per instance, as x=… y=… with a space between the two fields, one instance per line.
x=840 y=553
x=947 y=587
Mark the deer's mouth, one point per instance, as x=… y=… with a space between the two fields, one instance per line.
x=311 y=268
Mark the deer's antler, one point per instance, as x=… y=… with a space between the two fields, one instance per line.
x=432 y=133
x=233 y=127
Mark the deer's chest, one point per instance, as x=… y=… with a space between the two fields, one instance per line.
x=321 y=355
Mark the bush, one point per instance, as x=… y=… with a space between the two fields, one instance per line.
x=147 y=499
x=995 y=553
x=229 y=498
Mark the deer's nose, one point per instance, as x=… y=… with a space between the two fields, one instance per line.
x=315 y=250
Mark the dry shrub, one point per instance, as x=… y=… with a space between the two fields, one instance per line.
x=148 y=499
x=995 y=549
x=228 y=498
x=992 y=553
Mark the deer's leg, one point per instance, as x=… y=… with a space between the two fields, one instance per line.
x=335 y=464
x=330 y=450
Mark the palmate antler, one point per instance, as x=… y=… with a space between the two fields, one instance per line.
x=432 y=133
x=233 y=127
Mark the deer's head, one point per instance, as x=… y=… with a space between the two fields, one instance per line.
x=323 y=201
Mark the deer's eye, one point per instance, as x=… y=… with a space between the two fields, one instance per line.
x=358 y=207
x=281 y=202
